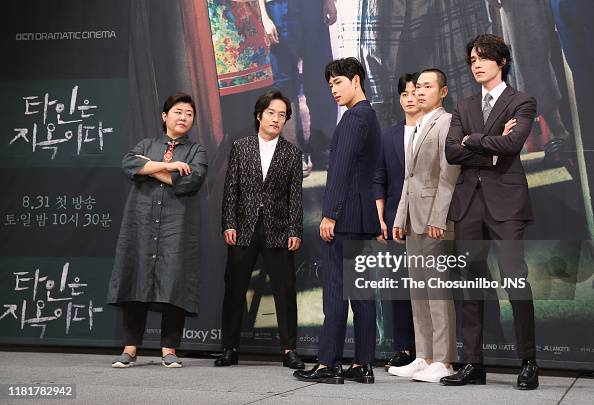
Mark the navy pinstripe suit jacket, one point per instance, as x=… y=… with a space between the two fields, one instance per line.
x=389 y=174
x=354 y=153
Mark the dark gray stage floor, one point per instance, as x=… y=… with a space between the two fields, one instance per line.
x=255 y=382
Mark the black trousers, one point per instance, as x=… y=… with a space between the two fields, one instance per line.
x=404 y=331
x=134 y=322
x=507 y=236
x=278 y=263
x=336 y=309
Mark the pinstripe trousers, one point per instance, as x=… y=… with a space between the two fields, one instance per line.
x=336 y=309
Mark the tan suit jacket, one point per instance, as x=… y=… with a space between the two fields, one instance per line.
x=430 y=180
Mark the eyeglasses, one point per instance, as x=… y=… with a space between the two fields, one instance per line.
x=271 y=113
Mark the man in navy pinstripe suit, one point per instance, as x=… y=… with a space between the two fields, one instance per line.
x=349 y=213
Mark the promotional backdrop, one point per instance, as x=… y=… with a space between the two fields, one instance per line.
x=82 y=82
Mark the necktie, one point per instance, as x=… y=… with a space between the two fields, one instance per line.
x=168 y=156
x=487 y=106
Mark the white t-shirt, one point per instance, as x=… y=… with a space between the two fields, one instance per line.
x=266 y=152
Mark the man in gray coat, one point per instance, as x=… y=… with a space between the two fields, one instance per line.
x=422 y=215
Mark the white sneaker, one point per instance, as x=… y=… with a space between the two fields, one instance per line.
x=433 y=373
x=410 y=369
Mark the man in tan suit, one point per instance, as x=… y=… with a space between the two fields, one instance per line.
x=422 y=216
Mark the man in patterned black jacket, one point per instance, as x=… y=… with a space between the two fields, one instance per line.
x=263 y=214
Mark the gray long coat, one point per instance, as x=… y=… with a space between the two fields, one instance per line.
x=157 y=255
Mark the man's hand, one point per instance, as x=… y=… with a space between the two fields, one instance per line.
x=384 y=227
x=508 y=126
x=327 y=229
x=382 y=238
x=398 y=234
x=182 y=167
x=230 y=237
x=294 y=243
x=329 y=12
x=435 y=232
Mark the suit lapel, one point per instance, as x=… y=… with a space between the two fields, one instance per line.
x=498 y=108
x=255 y=154
x=476 y=113
x=425 y=131
x=408 y=156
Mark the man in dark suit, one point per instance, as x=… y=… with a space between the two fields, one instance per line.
x=389 y=177
x=491 y=200
x=348 y=213
x=263 y=214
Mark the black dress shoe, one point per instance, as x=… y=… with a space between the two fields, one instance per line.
x=292 y=360
x=227 y=358
x=528 y=377
x=469 y=374
x=362 y=374
x=326 y=375
x=399 y=359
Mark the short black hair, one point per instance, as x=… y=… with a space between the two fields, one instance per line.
x=442 y=79
x=405 y=78
x=263 y=103
x=175 y=99
x=491 y=47
x=348 y=67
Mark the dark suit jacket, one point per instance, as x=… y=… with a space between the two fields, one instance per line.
x=389 y=174
x=354 y=152
x=278 y=199
x=504 y=185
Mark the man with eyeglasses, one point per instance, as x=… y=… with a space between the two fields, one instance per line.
x=263 y=214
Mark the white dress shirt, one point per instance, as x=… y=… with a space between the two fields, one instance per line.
x=495 y=93
x=266 y=152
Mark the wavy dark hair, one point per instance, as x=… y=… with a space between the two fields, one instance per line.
x=405 y=78
x=264 y=101
x=491 y=47
x=348 y=67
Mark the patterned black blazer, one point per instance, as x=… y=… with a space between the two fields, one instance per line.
x=278 y=198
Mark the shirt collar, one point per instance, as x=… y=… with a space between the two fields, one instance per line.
x=181 y=139
x=270 y=143
x=495 y=91
x=426 y=118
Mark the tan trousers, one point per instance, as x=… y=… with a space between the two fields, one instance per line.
x=434 y=316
